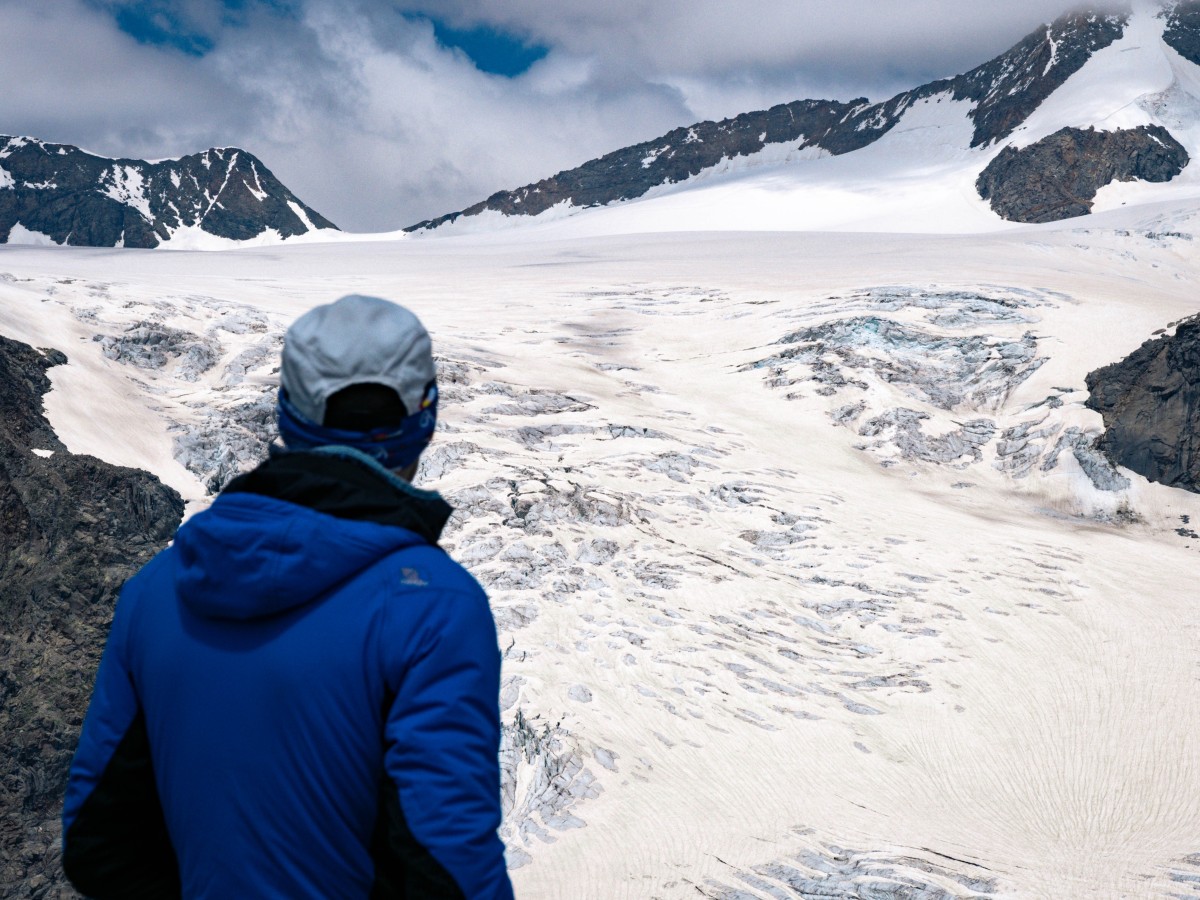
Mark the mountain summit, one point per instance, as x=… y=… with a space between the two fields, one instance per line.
x=1042 y=132
x=61 y=194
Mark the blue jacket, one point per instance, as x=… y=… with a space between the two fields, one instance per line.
x=298 y=699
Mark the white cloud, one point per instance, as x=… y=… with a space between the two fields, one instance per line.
x=360 y=111
x=840 y=41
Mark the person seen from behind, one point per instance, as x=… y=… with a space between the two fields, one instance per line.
x=299 y=697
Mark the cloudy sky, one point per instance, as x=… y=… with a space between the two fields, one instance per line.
x=380 y=113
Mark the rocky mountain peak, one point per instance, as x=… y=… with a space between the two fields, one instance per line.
x=59 y=193
x=1182 y=31
x=1010 y=87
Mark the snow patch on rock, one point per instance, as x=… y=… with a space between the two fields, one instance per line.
x=125 y=185
x=21 y=235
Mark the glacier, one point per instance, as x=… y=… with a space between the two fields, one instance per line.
x=808 y=575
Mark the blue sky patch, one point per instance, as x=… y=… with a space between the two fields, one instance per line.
x=492 y=51
x=151 y=23
x=160 y=22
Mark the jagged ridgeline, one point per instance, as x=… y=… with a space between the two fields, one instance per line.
x=1003 y=92
x=72 y=530
x=1183 y=30
x=73 y=197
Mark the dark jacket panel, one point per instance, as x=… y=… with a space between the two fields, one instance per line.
x=118 y=846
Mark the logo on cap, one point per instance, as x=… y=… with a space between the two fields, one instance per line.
x=430 y=395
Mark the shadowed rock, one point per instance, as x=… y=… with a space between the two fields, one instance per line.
x=1150 y=402
x=72 y=530
x=1183 y=30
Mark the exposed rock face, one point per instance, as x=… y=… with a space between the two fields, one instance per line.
x=76 y=198
x=1151 y=407
x=72 y=530
x=1058 y=177
x=1003 y=93
x=1008 y=89
x=1183 y=30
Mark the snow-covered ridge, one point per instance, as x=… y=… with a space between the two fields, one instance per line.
x=821 y=165
x=223 y=194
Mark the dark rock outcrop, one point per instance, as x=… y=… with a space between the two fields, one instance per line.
x=1003 y=93
x=1150 y=402
x=72 y=530
x=1008 y=89
x=1183 y=30
x=89 y=201
x=1058 y=177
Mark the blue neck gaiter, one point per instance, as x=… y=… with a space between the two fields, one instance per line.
x=394 y=447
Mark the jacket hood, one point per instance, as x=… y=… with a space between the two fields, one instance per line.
x=249 y=556
x=298 y=525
